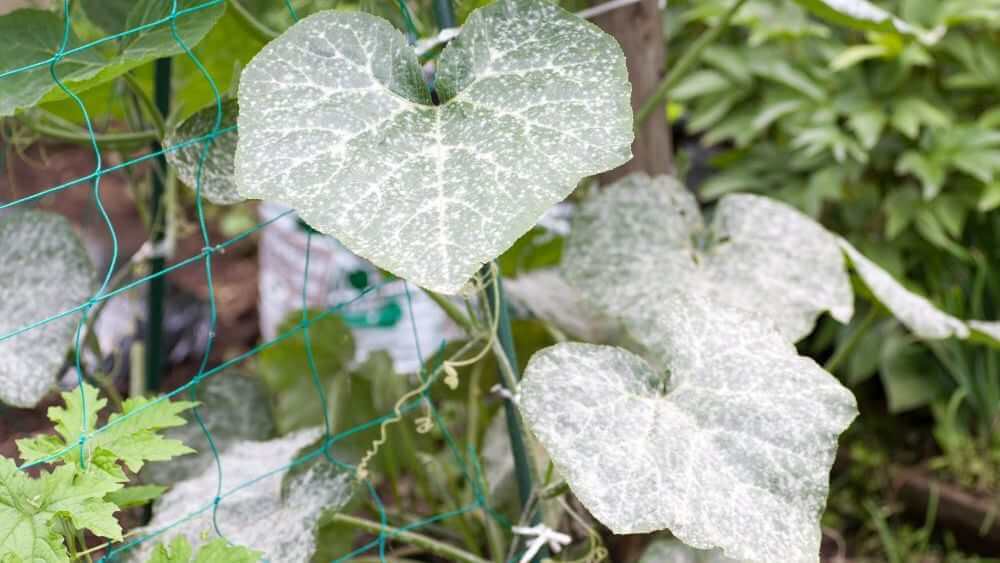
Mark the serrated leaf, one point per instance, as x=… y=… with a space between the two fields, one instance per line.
x=861 y=14
x=727 y=442
x=45 y=271
x=336 y=122
x=137 y=495
x=29 y=506
x=216 y=175
x=918 y=314
x=35 y=35
x=133 y=440
x=281 y=527
x=216 y=551
x=642 y=236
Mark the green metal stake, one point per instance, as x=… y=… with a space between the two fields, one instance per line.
x=158 y=285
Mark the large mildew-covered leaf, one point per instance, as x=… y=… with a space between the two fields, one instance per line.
x=44 y=271
x=34 y=36
x=861 y=14
x=915 y=312
x=336 y=122
x=279 y=520
x=727 y=441
x=642 y=236
x=218 y=183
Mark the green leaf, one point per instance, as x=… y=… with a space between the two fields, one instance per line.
x=133 y=440
x=868 y=126
x=700 y=83
x=642 y=237
x=45 y=271
x=256 y=512
x=858 y=53
x=784 y=73
x=990 y=198
x=722 y=390
x=109 y=15
x=336 y=122
x=29 y=509
x=210 y=161
x=905 y=371
x=911 y=113
x=931 y=173
x=138 y=495
x=915 y=312
x=216 y=551
x=35 y=36
x=864 y=15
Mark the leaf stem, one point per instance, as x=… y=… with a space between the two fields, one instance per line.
x=77 y=135
x=148 y=106
x=453 y=312
x=684 y=64
x=441 y=549
x=260 y=30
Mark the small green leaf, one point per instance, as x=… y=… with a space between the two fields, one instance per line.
x=45 y=271
x=907 y=375
x=700 y=83
x=138 y=495
x=533 y=99
x=216 y=551
x=214 y=163
x=861 y=14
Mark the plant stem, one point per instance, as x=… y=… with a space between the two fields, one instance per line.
x=152 y=112
x=260 y=30
x=684 y=64
x=844 y=351
x=453 y=312
x=76 y=135
x=440 y=549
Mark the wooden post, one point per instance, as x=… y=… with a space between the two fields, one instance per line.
x=639 y=29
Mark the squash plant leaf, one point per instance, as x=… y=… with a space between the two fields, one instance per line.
x=642 y=236
x=134 y=440
x=673 y=551
x=336 y=122
x=33 y=36
x=218 y=185
x=278 y=520
x=916 y=313
x=29 y=507
x=727 y=439
x=986 y=331
x=215 y=551
x=45 y=271
x=863 y=15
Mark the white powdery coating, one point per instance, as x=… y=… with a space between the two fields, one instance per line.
x=859 y=10
x=258 y=516
x=546 y=295
x=336 y=122
x=990 y=329
x=916 y=313
x=218 y=183
x=733 y=451
x=44 y=270
x=636 y=240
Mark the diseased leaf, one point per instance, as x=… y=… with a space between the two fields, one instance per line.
x=986 y=330
x=45 y=271
x=28 y=507
x=546 y=295
x=727 y=442
x=33 y=36
x=218 y=185
x=916 y=313
x=673 y=551
x=281 y=527
x=643 y=236
x=336 y=122
x=861 y=14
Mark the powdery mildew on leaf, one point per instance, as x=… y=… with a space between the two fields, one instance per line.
x=259 y=516
x=916 y=313
x=732 y=450
x=45 y=271
x=218 y=183
x=865 y=15
x=641 y=237
x=546 y=295
x=336 y=122
x=673 y=551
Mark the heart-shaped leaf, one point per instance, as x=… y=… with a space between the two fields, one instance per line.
x=45 y=271
x=34 y=36
x=916 y=313
x=643 y=236
x=336 y=122
x=218 y=183
x=728 y=443
x=280 y=521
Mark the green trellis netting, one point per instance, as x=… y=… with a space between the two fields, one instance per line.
x=67 y=71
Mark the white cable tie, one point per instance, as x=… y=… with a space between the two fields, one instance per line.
x=543 y=535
